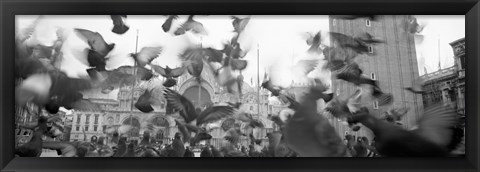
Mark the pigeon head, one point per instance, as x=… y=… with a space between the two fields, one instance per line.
x=178 y=135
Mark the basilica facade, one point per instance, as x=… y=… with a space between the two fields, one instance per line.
x=117 y=109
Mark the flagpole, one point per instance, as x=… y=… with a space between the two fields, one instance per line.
x=200 y=84
x=258 y=79
x=439 y=57
x=133 y=84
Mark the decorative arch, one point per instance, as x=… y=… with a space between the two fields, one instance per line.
x=192 y=82
x=135 y=122
x=160 y=120
x=192 y=94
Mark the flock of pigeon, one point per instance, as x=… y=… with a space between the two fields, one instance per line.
x=304 y=131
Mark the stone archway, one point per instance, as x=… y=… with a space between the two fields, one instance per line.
x=194 y=92
x=160 y=121
x=135 y=123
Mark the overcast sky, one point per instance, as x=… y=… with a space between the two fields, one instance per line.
x=280 y=39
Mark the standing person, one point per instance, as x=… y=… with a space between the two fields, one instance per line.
x=252 y=152
x=244 y=150
x=206 y=152
x=215 y=151
x=188 y=152
x=178 y=146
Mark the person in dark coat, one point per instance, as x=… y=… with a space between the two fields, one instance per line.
x=206 y=152
x=188 y=153
x=178 y=146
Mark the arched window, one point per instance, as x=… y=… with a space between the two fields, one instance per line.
x=135 y=131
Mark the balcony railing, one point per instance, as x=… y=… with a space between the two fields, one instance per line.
x=440 y=73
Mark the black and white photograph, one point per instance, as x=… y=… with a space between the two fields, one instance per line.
x=239 y=86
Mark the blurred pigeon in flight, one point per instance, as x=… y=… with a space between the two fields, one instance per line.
x=119 y=26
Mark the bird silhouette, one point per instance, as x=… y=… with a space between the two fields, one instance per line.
x=310 y=134
x=430 y=138
x=99 y=48
x=239 y=24
x=358 y=44
x=353 y=74
x=314 y=41
x=191 y=25
x=169 y=74
x=119 y=26
x=146 y=55
x=113 y=79
x=53 y=90
x=190 y=114
x=168 y=23
x=412 y=26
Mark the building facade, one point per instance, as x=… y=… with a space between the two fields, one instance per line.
x=459 y=52
x=118 y=110
x=448 y=85
x=392 y=63
x=440 y=86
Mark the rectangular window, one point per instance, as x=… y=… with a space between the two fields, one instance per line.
x=375 y=104
x=370 y=49
x=87 y=118
x=95 y=128
x=251 y=107
x=77 y=128
x=96 y=119
x=334 y=22
x=86 y=128
x=76 y=136
x=79 y=117
x=368 y=23
x=373 y=77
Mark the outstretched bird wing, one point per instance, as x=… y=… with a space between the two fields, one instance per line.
x=303 y=67
x=160 y=70
x=436 y=122
x=95 y=40
x=214 y=113
x=183 y=129
x=177 y=72
x=238 y=64
x=180 y=103
x=147 y=54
